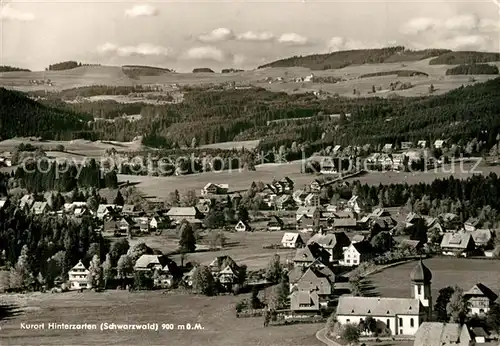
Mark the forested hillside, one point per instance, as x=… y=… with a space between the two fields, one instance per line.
x=472 y=69
x=465 y=57
x=209 y=116
x=13 y=69
x=341 y=59
x=21 y=116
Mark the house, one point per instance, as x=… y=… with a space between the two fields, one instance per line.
x=356 y=253
x=242 y=226
x=287 y=184
x=105 y=210
x=2 y=203
x=457 y=244
x=299 y=197
x=309 y=254
x=311 y=212
x=315 y=185
x=159 y=222
x=406 y=145
x=284 y=202
x=308 y=224
x=479 y=299
x=292 y=240
x=439 y=144
x=422 y=144
x=150 y=263
x=229 y=275
x=483 y=238
x=219 y=263
x=127 y=225
x=304 y=301
x=442 y=334
x=401 y=315
x=471 y=224
x=128 y=209
x=78 y=277
x=344 y=223
x=140 y=223
x=414 y=245
x=334 y=243
x=39 y=208
x=356 y=204
x=215 y=189
x=387 y=148
x=177 y=214
x=450 y=221
x=26 y=202
x=275 y=223
x=312 y=200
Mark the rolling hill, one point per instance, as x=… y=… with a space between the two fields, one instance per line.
x=23 y=117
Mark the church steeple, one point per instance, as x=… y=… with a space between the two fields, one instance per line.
x=421 y=278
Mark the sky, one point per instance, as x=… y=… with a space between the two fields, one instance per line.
x=219 y=34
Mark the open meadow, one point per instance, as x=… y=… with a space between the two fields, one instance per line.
x=216 y=315
x=244 y=247
x=351 y=75
x=446 y=271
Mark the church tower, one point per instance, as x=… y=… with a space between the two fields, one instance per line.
x=421 y=278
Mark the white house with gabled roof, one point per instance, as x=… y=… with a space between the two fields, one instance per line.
x=79 y=277
x=292 y=240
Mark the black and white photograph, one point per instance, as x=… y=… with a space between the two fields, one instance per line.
x=250 y=172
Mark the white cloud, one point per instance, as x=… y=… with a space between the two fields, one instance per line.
x=293 y=39
x=239 y=59
x=418 y=25
x=256 y=36
x=9 y=13
x=142 y=49
x=217 y=35
x=337 y=43
x=206 y=53
x=467 y=42
x=141 y=11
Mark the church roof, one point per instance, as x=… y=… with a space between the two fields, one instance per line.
x=421 y=273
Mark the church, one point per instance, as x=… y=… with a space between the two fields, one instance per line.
x=402 y=316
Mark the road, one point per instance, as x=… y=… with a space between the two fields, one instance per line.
x=321 y=336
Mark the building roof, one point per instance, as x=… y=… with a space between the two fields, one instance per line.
x=79 y=266
x=363 y=247
x=39 y=206
x=358 y=238
x=481 y=236
x=128 y=208
x=344 y=222
x=481 y=290
x=330 y=240
x=310 y=253
x=303 y=297
x=289 y=237
x=421 y=273
x=275 y=220
x=145 y=261
x=459 y=240
x=442 y=334
x=377 y=306
x=182 y=211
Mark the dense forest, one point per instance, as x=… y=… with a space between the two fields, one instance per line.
x=231 y=70
x=203 y=70
x=212 y=116
x=399 y=73
x=342 y=59
x=43 y=175
x=13 y=69
x=464 y=58
x=136 y=71
x=20 y=116
x=472 y=69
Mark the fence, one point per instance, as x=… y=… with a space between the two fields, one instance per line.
x=251 y=313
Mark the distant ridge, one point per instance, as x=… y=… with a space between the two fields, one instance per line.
x=13 y=69
x=340 y=59
x=147 y=67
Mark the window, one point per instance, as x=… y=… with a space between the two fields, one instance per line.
x=419 y=289
x=348 y=320
x=400 y=322
x=388 y=323
x=412 y=324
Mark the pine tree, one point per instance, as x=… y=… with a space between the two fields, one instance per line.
x=119 y=200
x=187 y=241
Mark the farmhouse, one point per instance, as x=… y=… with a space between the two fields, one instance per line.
x=304 y=301
x=442 y=334
x=150 y=263
x=39 y=208
x=79 y=277
x=215 y=189
x=104 y=210
x=292 y=240
x=242 y=226
x=344 y=223
x=158 y=222
x=177 y=214
x=457 y=244
x=334 y=243
x=275 y=224
x=310 y=254
x=356 y=253
x=356 y=204
x=314 y=280
x=480 y=299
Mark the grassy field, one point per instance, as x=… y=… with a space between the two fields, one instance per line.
x=395 y=282
x=215 y=314
x=244 y=247
x=233 y=145
x=114 y=75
